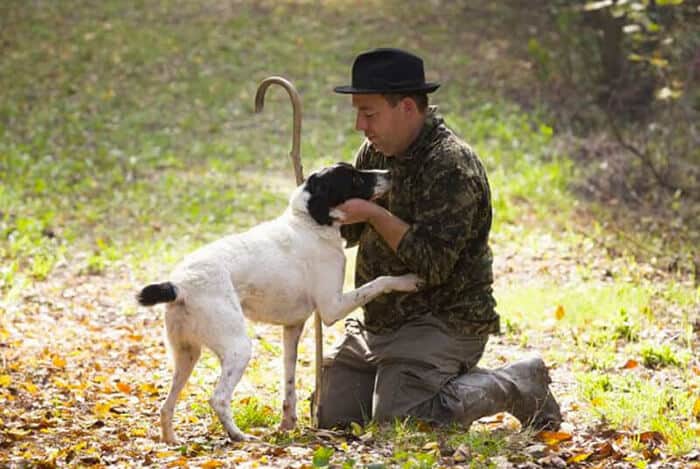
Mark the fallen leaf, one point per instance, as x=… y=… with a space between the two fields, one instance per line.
x=148 y=388
x=462 y=453
x=559 y=313
x=650 y=437
x=211 y=464
x=605 y=450
x=630 y=364
x=17 y=434
x=431 y=446
x=124 y=387
x=577 y=458
x=58 y=362
x=696 y=408
x=165 y=454
x=179 y=462
x=5 y=380
x=31 y=387
x=553 y=438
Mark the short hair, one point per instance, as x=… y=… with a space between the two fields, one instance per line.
x=421 y=99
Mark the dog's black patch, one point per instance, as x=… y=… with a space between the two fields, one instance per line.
x=157 y=293
x=334 y=185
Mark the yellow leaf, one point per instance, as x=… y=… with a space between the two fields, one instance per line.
x=124 y=387
x=553 y=438
x=696 y=408
x=576 y=458
x=138 y=432
x=165 y=454
x=102 y=409
x=211 y=464
x=559 y=312
x=58 y=362
x=17 y=433
x=31 y=387
x=5 y=380
x=658 y=62
x=180 y=462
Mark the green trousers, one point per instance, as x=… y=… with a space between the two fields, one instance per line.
x=425 y=371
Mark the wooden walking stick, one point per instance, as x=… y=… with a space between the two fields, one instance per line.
x=295 y=156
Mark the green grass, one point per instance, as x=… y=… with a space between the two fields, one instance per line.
x=616 y=307
x=601 y=328
x=628 y=403
x=418 y=445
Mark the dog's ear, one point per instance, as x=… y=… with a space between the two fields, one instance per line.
x=318 y=204
x=319 y=211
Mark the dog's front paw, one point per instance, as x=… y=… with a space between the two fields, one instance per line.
x=337 y=215
x=406 y=283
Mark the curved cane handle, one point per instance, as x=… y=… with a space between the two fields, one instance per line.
x=296 y=108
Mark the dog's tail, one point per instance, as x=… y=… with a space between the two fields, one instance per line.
x=155 y=293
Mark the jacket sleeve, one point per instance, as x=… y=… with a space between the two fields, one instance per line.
x=352 y=233
x=444 y=214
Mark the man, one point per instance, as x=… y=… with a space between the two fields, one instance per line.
x=415 y=354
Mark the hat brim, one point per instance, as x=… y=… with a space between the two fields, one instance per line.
x=427 y=88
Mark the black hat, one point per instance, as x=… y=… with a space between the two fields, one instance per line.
x=387 y=71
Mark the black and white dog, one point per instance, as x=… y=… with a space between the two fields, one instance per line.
x=278 y=272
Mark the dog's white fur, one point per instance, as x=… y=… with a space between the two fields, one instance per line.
x=278 y=272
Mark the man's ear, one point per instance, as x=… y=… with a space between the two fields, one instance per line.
x=408 y=105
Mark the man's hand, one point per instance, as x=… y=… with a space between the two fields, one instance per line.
x=358 y=211
x=388 y=226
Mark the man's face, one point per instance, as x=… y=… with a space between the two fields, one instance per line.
x=387 y=127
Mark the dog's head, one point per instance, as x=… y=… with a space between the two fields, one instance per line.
x=334 y=185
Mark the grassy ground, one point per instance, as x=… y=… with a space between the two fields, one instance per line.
x=127 y=138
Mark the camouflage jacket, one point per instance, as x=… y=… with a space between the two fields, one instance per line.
x=441 y=190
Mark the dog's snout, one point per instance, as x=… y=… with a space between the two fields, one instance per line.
x=383 y=183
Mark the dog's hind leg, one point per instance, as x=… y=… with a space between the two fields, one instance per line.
x=226 y=337
x=234 y=358
x=290 y=337
x=185 y=357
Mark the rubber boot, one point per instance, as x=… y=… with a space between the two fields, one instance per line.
x=521 y=389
